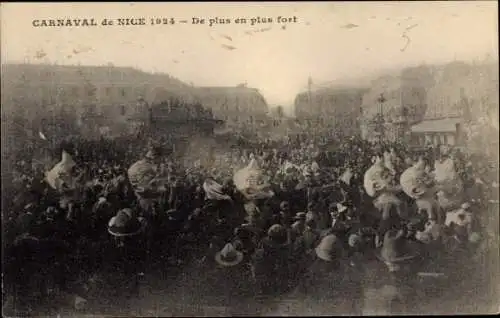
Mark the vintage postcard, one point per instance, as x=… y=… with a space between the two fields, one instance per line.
x=250 y=158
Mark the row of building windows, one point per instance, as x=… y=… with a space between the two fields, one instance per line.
x=434 y=139
x=48 y=93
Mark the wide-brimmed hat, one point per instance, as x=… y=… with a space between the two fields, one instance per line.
x=300 y=216
x=465 y=206
x=341 y=207
x=153 y=153
x=284 y=204
x=228 y=256
x=174 y=215
x=431 y=232
x=277 y=234
x=330 y=248
x=124 y=223
x=396 y=248
x=355 y=240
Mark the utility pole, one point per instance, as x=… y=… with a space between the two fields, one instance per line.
x=309 y=100
x=380 y=120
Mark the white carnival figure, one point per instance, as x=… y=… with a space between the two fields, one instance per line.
x=251 y=182
x=379 y=184
x=418 y=184
x=449 y=185
x=60 y=176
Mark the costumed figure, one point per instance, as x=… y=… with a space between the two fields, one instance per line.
x=254 y=187
x=220 y=204
x=449 y=185
x=418 y=184
x=142 y=176
x=379 y=184
x=62 y=178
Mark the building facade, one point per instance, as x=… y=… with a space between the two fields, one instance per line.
x=241 y=108
x=438 y=131
x=427 y=95
x=330 y=111
x=103 y=94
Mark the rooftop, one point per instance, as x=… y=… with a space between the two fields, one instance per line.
x=437 y=125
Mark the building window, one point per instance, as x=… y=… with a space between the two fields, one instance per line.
x=123 y=93
x=108 y=91
x=123 y=110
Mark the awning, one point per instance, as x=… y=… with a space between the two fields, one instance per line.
x=437 y=125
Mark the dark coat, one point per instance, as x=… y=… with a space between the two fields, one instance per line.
x=273 y=266
x=231 y=283
x=331 y=288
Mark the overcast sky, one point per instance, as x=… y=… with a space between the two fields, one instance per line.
x=330 y=41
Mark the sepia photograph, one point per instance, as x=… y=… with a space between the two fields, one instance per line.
x=219 y=159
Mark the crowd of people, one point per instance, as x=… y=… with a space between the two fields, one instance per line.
x=264 y=218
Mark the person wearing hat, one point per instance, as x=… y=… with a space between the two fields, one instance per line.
x=229 y=256
x=348 y=188
x=461 y=226
x=431 y=237
x=299 y=225
x=102 y=212
x=124 y=262
x=245 y=239
x=318 y=212
x=304 y=244
x=284 y=215
x=125 y=224
x=330 y=285
x=272 y=261
x=397 y=251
